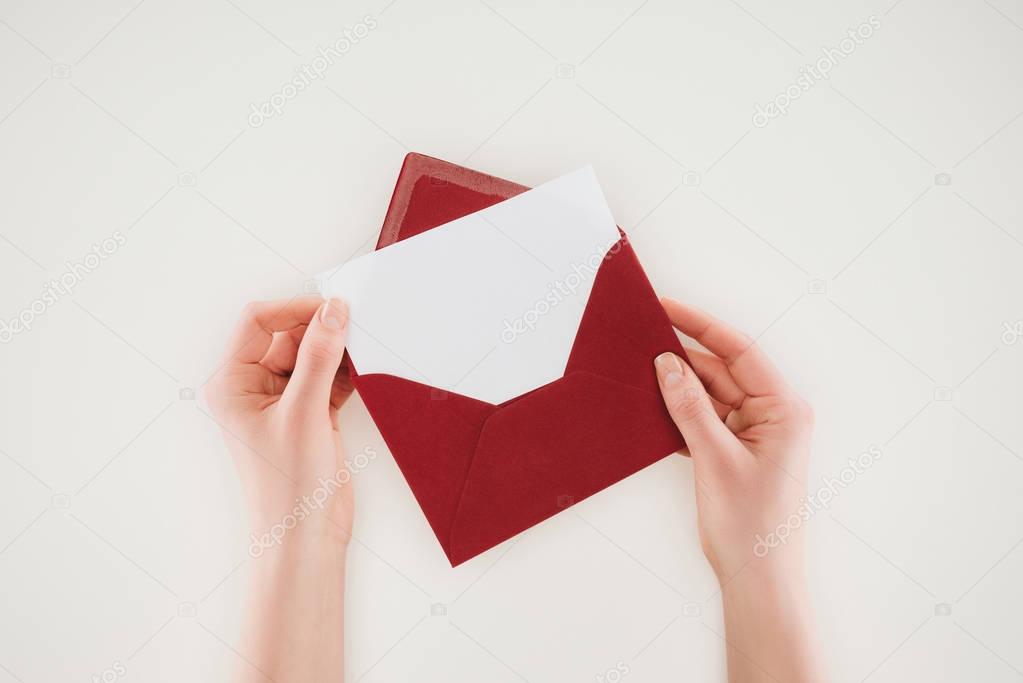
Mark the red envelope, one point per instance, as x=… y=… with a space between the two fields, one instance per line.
x=481 y=472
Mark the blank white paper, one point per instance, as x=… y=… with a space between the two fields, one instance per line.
x=487 y=305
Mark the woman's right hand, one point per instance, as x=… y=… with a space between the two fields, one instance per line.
x=749 y=437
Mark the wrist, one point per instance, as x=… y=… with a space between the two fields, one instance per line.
x=781 y=573
x=300 y=530
x=769 y=624
x=303 y=555
x=768 y=587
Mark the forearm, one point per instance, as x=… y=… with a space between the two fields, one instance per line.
x=769 y=627
x=294 y=624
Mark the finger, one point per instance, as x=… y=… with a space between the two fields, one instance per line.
x=342 y=387
x=319 y=357
x=690 y=407
x=259 y=320
x=716 y=378
x=740 y=420
x=723 y=410
x=758 y=411
x=280 y=358
x=752 y=371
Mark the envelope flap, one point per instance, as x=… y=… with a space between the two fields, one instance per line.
x=417 y=419
x=624 y=323
x=551 y=449
x=431 y=192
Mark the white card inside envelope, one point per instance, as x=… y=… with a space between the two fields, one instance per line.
x=487 y=305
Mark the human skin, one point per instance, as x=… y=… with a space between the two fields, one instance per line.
x=276 y=398
x=749 y=436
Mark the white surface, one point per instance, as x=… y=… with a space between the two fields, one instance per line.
x=882 y=294
x=482 y=285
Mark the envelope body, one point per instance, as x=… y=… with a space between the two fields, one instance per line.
x=483 y=473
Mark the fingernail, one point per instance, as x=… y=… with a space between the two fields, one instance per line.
x=334 y=314
x=670 y=369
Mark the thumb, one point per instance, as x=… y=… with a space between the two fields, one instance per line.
x=690 y=408
x=319 y=356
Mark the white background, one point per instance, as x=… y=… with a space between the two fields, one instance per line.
x=882 y=292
